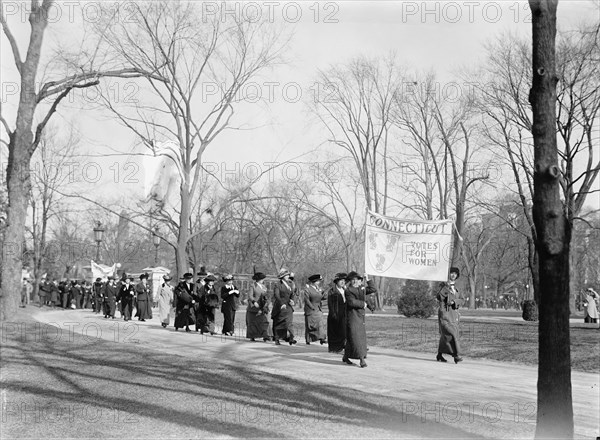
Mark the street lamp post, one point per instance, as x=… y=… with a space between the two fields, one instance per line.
x=98 y=233
x=156 y=242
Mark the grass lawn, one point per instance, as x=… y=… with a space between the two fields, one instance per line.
x=504 y=341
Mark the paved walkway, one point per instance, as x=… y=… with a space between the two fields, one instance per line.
x=478 y=397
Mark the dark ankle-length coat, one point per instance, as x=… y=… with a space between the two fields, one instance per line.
x=448 y=319
x=356 y=333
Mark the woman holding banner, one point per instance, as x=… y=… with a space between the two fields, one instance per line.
x=448 y=318
x=356 y=303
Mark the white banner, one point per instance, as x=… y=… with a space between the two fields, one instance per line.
x=410 y=249
x=102 y=271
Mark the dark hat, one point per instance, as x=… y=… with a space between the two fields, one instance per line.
x=110 y=277
x=144 y=275
x=228 y=277
x=98 y=279
x=283 y=273
x=353 y=275
x=129 y=277
x=314 y=278
x=188 y=275
x=167 y=278
x=259 y=276
x=456 y=271
x=202 y=272
x=339 y=276
x=210 y=278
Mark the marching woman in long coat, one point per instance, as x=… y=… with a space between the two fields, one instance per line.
x=283 y=309
x=336 y=314
x=126 y=294
x=110 y=298
x=448 y=318
x=257 y=323
x=184 y=303
x=98 y=295
x=165 y=300
x=313 y=315
x=229 y=295
x=356 y=333
x=144 y=299
x=208 y=301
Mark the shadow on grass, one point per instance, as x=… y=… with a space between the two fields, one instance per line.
x=166 y=395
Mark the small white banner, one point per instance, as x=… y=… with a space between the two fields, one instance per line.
x=102 y=271
x=410 y=249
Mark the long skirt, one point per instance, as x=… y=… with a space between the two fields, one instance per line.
x=356 y=334
x=164 y=310
x=313 y=326
x=205 y=319
x=65 y=299
x=257 y=326
x=144 y=309
x=184 y=316
x=228 y=320
x=336 y=332
x=55 y=296
x=449 y=332
x=98 y=304
x=77 y=299
x=283 y=323
x=110 y=307
x=127 y=308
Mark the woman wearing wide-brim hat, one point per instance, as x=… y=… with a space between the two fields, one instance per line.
x=257 y=322
x=208 y=301
x=356 y=303
x=449 y=303
x=313 y=315
x=184 y=303
x=126 y=294
x=336 y=314
x=283 y=309
x=144 y=299
x=165 y=301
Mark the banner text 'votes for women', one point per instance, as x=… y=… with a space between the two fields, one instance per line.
x=411 y=249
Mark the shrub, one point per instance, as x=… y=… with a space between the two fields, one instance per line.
x=530 y=310
x=416 y=301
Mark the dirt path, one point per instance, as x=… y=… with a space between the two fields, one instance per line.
x=475 y=397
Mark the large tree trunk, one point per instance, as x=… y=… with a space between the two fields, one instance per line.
x=555 y=407
x=19 y=185
x=20 y=150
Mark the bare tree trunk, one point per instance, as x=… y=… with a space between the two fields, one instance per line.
x=181 y=255
x=19 y=185
x=555 y=406
x=18 y=172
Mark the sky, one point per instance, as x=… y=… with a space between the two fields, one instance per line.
x=444 y=36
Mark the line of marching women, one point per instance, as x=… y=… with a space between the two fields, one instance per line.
x=271 y=317
x=123 y=295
